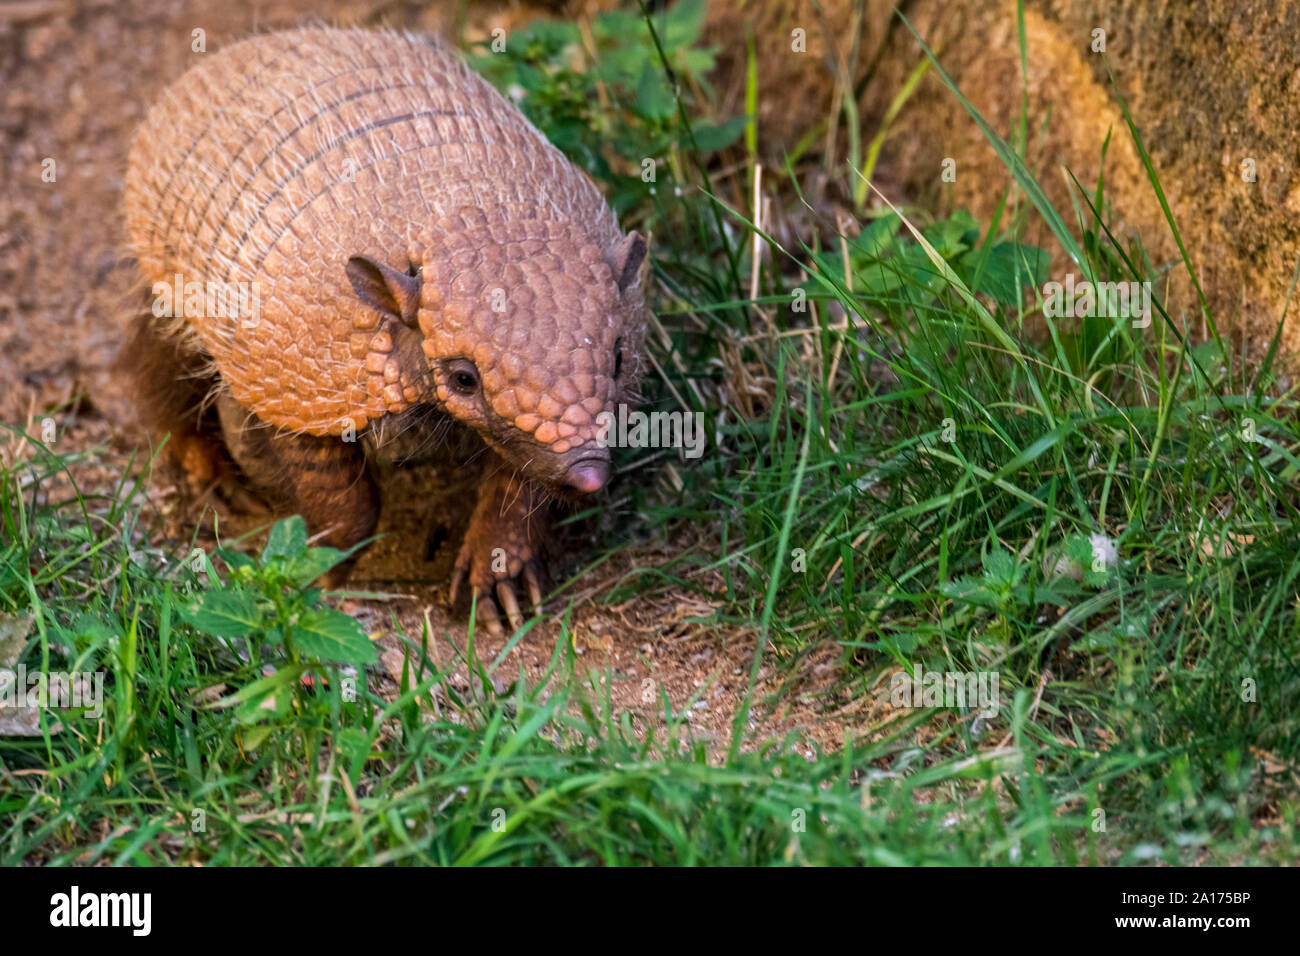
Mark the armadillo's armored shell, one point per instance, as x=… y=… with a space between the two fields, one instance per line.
x=272 y=162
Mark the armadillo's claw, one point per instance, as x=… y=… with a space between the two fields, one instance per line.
x=487 y=613
x=458 y=573
x=500 y=557
x=506 y=596
x=502 y=597
x=531 y=579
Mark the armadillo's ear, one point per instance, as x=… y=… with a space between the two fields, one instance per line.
x=385 y=289
x=628 y=258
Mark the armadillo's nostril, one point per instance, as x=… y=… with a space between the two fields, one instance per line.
x=588 y=475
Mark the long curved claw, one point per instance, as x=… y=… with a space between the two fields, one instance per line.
x=458 y=574
x=487 y=613
x=534 y=585
x=506 y=595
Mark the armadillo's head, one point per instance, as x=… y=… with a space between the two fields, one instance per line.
x=531 y=331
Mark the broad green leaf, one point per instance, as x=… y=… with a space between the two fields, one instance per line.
x=878 y=237
x=949 y=237
x=1000 y=567
x=971 y=591
x=331 y=635
x=311 y=564
x=235 y=559
x=228 y=613
x=288 y=539
x=685 y=20
x=712 y=138
x=1009 y=267
x=653 y=97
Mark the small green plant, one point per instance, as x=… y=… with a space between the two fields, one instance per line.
x=1001 y=585
x=270 y=604
x=612 y=109
x=883 y=259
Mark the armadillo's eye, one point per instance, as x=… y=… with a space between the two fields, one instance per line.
x=618 y=358
x=462 y=377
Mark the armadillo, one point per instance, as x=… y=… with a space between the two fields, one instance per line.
x=411 y=256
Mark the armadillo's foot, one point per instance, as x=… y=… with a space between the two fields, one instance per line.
x=503 y=549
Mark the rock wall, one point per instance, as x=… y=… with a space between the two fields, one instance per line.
x=1212 y=84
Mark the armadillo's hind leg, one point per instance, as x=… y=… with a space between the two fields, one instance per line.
x=326 y=480
x=171 y=382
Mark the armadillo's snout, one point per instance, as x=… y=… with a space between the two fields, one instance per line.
x=588 y=474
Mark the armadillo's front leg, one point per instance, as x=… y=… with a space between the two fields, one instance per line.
x=323 y=479
x=331 y=488
x=503 y=546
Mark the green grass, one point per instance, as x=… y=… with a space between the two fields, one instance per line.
x=924 y=449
